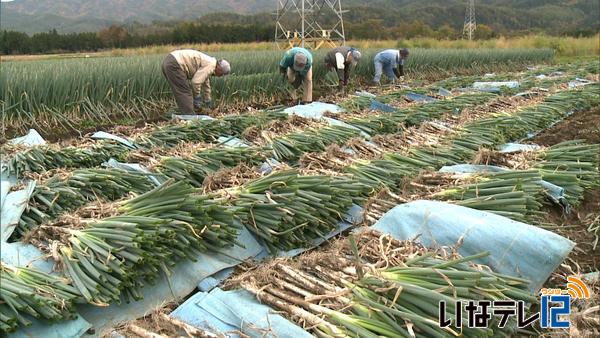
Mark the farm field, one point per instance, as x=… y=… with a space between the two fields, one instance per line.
x=68 y=96
x=113 y=231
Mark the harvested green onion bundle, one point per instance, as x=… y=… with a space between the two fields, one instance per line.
x=172 y=135
x=241 y=122
x=384 y=123
x=378 y=286
x=418 y=114
x=111 y=259
x=380 y=173
x=59 y=195
x=572 y=165
x=513 y=194
x=39 y=159
x=195 y=168
x=387 y=302
x=288 y=211
x=208 y=130
x=292 y=146
x=358 y=103
x=27 y=292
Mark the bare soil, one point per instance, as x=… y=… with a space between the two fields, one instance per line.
x=584 y=258
x=583 y=125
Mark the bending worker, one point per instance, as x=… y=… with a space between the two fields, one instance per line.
x=297 y=65
x=182 y=66
x=342 y=59
x=390 y=62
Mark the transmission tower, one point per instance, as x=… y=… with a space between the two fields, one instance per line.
x=311 y=24
x=470 y=24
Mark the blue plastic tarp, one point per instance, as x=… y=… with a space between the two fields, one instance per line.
x=191 y=117
x=234 y=312
x=444 y=92
x=517 y=147
x=419 y=97
x=516 y=248
x=232 y=142
x=489 y=85
x=382 y=107
x=33 y=138
x=102 y=135
x=12 y=207
x=74 y=328
x=133 y=167
x=314 y=110
x=578 y=82
x=365 y=94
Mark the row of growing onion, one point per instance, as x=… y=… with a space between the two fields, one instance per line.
x=166 y=223
x=60 y=92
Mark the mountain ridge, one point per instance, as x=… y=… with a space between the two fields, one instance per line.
x=65 y=16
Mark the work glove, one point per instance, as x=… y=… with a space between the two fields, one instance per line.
x=198 y=102
x=401 y=78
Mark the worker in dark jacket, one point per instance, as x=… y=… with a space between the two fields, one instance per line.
x=342 y=59
x=390 y=62
x=296 y=65
x=182 y=67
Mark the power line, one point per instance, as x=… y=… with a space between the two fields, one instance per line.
x=310 y=24
x=470 y=24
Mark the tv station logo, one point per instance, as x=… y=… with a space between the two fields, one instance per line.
x=555 y=308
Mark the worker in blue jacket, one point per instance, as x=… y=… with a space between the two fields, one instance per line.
x=296 y=64
x=390 y=62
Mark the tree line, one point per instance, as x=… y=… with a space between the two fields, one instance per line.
x=116 y=36
x=13 y=42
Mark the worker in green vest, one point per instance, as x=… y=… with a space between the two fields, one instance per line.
x=296 y=64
